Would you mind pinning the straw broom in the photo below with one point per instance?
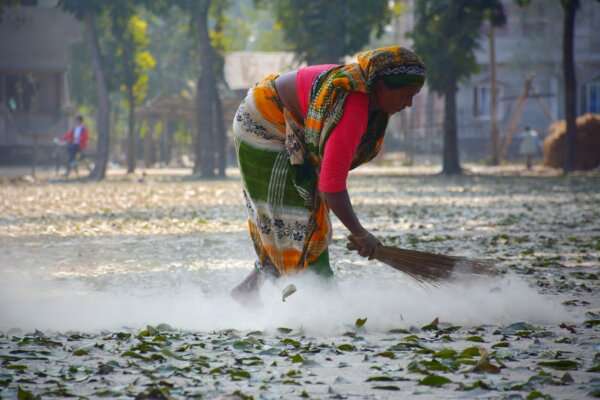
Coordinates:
(427, 267)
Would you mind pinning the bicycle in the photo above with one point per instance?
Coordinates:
(59, 155)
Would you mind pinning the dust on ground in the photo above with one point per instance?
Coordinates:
(120, 289)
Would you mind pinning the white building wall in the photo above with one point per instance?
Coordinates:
(529, 45)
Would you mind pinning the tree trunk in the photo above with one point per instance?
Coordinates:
(162, 143)
(149, 153)
(451, 164)
(103, 112)
(494, 160)
(570, 7)
(221, 135)
(131, 134)
(204, 163)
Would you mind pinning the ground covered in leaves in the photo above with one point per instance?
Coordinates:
(119, 290)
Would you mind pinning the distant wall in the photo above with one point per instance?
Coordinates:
(34, 58)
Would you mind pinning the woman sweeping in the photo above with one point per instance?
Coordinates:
(297, 135)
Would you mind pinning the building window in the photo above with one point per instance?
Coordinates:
(482, 101)
(19, 92)
(592, 96)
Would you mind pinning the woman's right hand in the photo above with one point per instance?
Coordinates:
(365, 243)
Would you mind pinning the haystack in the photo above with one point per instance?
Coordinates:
(587, 143)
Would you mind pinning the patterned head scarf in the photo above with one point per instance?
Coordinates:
(395, 65)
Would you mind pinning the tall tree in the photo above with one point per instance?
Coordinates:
(496, 18)
(176, 65)
(570, 8)
(208, 141)
(324, 31)
(220, 44)
(205, 94)
(89, 11)
(446, 35)
(495, 137)
(133, 61)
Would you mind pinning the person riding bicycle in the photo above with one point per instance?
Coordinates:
(76, 140)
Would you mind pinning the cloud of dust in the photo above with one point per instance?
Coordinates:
(320, 309)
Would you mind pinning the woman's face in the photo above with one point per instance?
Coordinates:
(394, 100)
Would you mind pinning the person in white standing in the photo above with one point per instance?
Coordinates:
(530, 146)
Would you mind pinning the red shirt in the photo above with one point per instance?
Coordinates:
(69, 137)
(345, 137)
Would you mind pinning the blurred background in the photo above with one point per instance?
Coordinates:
(136, 70)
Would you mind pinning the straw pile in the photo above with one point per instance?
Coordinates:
(587, 143)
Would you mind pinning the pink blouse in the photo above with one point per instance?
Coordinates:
(345, 137)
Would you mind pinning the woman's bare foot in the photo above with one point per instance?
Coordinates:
(247, 292)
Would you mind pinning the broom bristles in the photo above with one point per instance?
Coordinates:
(429, 267)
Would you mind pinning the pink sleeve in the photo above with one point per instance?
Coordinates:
(342, 144)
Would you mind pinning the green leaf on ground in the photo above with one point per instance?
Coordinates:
(81, 352)
(478, 384)
(435, 365)
(346, 347)
(360, 322)
(590, 323)
(595, 368)
(238, 374)
(297, 358)
(470, 352)
(242, 396)
(23, 394)
(397, 331)
(380, 378)
(16, 367)
(432, 326)
(445, 353)
(291, 342)
(562, 365)
(387, 354)
(434, 380)
(386, 387)
(538, 395)
(477, 339)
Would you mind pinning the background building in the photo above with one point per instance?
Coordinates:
(528, 77)
(34, 58)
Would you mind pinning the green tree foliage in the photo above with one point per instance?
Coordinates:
(570, 8)
(176, 58)
(132, 63)
(135, 59)
(117, 44)
(81, 69)
(206, 21)
(324, 31)
(90, 12)
(446, 35)
(253, 28)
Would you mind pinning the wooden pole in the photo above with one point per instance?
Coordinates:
(495, 159)
(516, 116)
(34, 155)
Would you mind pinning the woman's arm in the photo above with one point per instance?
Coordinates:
(337, 158)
